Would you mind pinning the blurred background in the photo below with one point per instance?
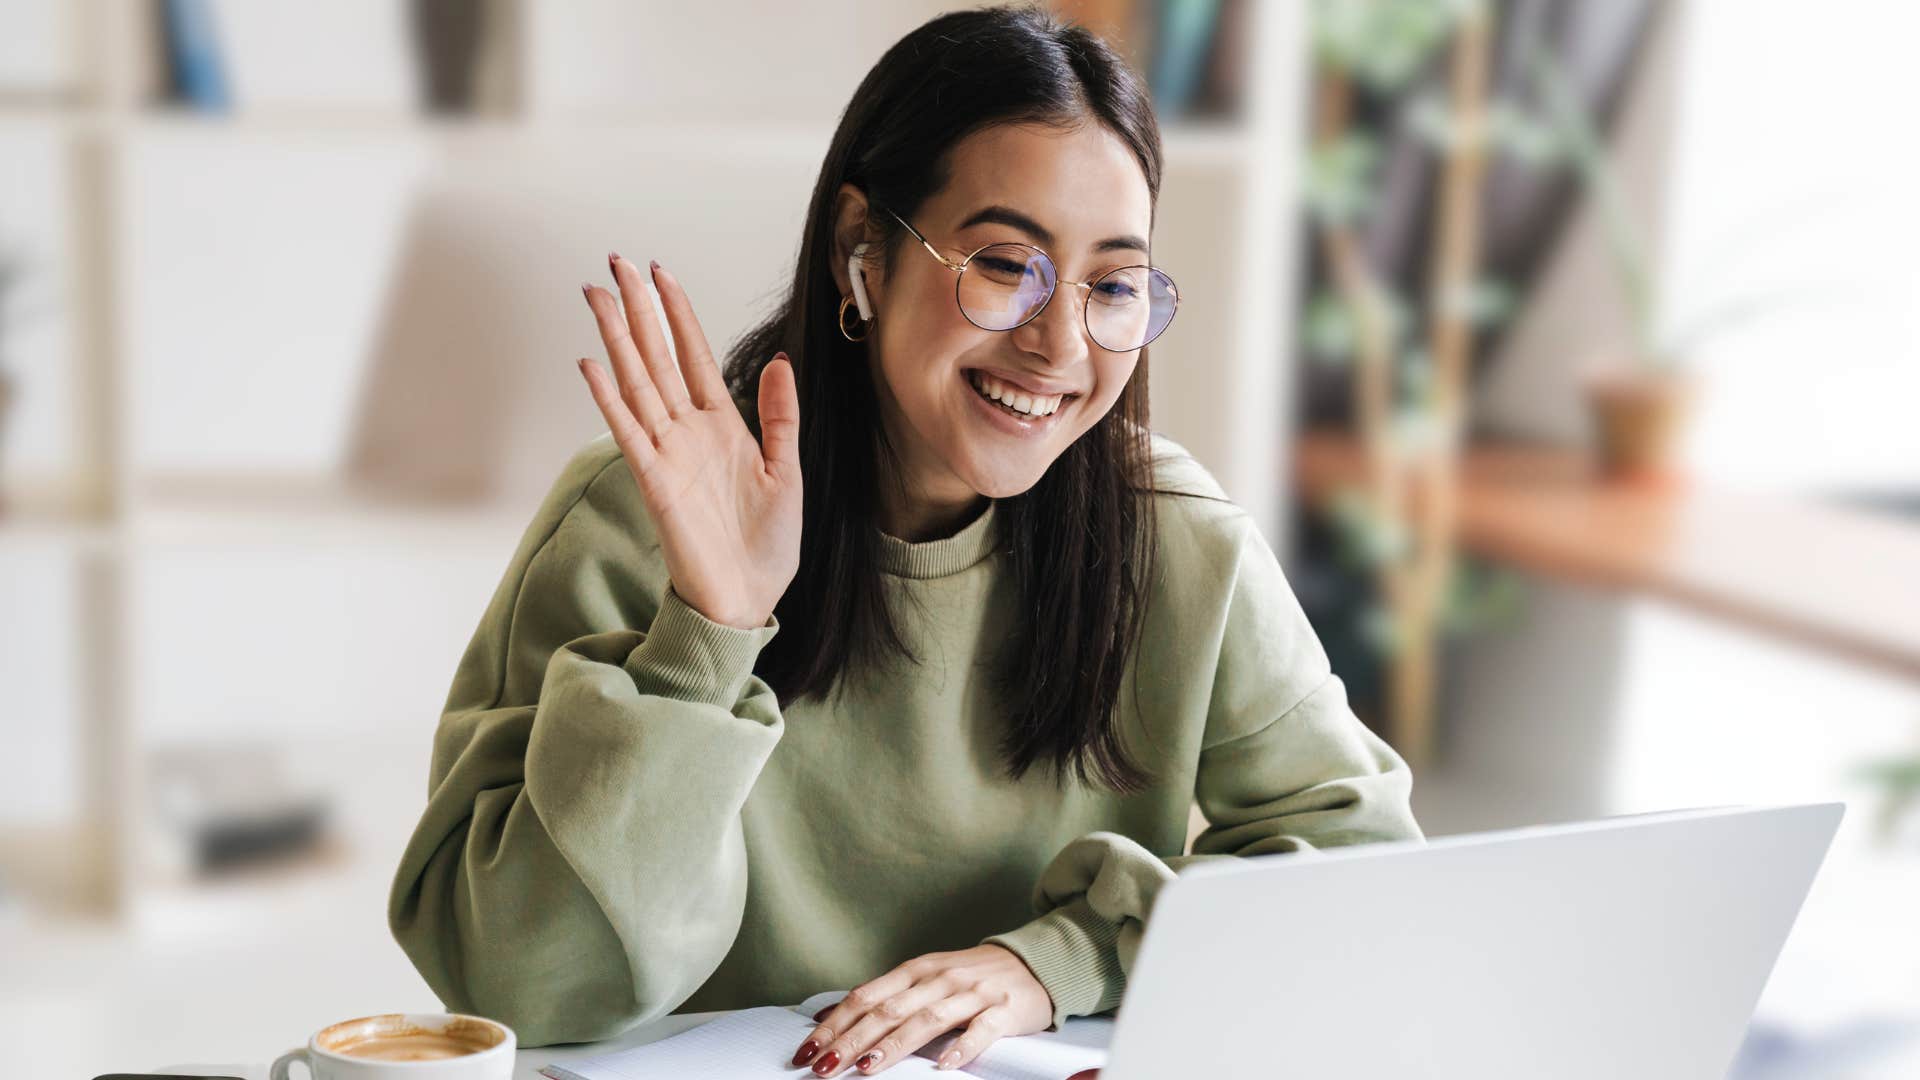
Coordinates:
(1566, 351)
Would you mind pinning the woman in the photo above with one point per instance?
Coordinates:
(929, 724)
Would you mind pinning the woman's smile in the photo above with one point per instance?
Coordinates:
(1013, 411)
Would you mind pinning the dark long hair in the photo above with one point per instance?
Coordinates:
(1081, 540)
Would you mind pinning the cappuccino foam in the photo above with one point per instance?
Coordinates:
(393, 1037)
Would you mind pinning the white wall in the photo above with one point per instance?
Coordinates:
(1794, 175)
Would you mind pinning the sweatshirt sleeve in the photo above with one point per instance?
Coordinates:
(1285, 766)
(580, 865)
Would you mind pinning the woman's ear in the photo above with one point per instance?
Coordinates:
(849, 232)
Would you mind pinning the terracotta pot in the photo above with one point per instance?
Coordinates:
(1637, 419)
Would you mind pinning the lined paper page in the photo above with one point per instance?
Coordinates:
(758, 1044)
(752, 1044)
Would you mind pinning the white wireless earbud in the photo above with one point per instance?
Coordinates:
(859, 284)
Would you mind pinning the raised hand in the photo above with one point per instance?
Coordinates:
(727, 509)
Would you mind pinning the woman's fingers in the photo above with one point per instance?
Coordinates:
(876, 1051)
(987, 1027)
(645, 327)
(627, 433)
(702, 375)
(905, 1022)
(631, 380)
(779, 415)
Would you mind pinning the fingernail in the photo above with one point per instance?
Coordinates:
(613, 257)
(827, 1063)
(822, 1014)
(806, 1052)
(949, 1059)
(586, 289)
(868, 1060)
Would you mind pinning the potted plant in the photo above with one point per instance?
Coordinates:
(1639, 402)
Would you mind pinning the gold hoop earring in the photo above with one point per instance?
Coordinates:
(866, 325)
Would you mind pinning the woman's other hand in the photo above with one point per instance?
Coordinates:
(726, 509)
(988, 990)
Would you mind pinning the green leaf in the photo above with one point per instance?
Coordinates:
(1523, 136)
(1339, 181)
(1480, 596)
(1327, 328)
(1482, 303)
(1330, 327)
(1364, 539)
(1897, 775)
(1383, 44)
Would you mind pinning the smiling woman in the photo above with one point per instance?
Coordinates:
(891, 653)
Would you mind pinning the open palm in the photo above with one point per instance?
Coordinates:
(727, 509)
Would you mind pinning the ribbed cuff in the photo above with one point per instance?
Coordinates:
(689, 657)
(1071, 952)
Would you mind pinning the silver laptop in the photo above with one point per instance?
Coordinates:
(1626, 947)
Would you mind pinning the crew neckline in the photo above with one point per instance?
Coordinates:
(946, 555)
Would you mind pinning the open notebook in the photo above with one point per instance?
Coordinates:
(757, 1043)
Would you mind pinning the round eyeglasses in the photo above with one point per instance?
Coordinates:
(1004, 286)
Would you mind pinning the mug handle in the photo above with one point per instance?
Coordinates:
(286, 1060)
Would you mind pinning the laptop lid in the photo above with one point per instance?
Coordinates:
(1628, 946)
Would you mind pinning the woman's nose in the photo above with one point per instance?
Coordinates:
(1059, 332)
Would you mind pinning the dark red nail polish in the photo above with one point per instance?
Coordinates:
(866, 1059)
(807, 1050)
(826, 1063)
(822, 1014)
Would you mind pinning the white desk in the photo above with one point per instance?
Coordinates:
(526, 1063)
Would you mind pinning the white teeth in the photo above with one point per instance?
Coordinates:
(996, 390)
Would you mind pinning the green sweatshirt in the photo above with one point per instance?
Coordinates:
(623, 823)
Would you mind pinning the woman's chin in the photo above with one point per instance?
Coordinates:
(1003, 480)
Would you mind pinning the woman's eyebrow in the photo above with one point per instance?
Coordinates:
(1007, 215)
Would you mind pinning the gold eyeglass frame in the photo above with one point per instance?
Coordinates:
(1085, 319)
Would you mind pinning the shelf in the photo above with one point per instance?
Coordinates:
(29, 534)
(287, 891)
(1188, 141)
(52, 113)
(309, 514)
(45, 872)
(308, 511)
(318, 120)
(1841, 580)
(51, 514)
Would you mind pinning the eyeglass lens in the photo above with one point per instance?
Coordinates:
(1004, 285)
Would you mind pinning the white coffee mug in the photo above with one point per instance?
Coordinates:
(483, 1048)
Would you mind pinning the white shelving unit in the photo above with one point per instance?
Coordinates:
(221, 316)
